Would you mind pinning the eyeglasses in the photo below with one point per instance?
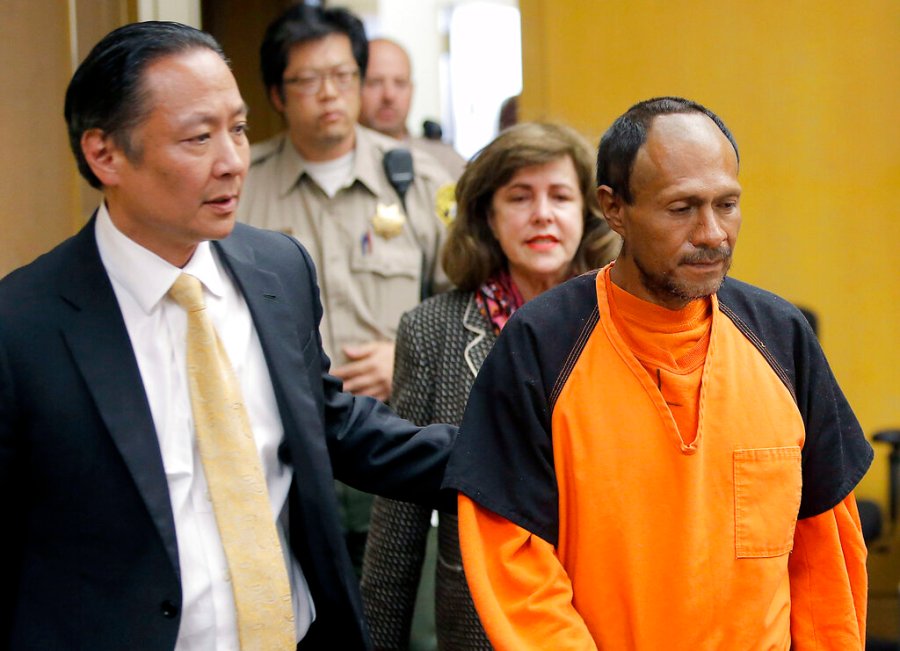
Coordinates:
(311, 84)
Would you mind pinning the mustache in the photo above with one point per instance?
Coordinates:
(705, 256)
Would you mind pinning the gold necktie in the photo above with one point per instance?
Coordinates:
(237, 486)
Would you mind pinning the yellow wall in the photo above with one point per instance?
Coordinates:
(811, 91)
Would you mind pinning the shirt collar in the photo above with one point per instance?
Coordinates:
(142, 273)
(366, 163)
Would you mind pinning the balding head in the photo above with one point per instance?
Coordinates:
(387, 90)
(680, 222)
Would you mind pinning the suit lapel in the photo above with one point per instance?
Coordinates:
(275, 325)
(102, 351)
(481, 336)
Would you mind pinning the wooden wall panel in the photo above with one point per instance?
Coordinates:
(44, 199)
(37, 183)
(239, 25)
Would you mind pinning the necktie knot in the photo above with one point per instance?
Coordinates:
(188, 293)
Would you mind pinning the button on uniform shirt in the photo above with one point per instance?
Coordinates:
(367, 276)
(157, 327)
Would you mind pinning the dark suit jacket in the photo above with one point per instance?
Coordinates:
(93, 560)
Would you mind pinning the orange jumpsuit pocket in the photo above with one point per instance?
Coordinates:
(767, 486)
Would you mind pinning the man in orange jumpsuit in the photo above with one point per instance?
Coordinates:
(655, 456)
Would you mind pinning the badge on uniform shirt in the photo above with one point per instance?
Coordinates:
(388, 221)
(445, 203)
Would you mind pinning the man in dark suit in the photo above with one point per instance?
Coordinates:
(111, 533)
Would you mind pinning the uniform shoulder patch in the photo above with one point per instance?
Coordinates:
(445, 203)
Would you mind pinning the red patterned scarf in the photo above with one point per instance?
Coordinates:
(498, 298)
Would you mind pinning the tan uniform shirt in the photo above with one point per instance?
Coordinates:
(368, 275)
(444, 153)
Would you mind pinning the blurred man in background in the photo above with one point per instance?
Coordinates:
(386, 98)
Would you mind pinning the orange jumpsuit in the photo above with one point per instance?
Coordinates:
(595, 515)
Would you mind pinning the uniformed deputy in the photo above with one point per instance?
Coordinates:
(323, 181)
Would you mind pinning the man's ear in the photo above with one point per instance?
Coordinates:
(613, 208)
(103, 156)
(276, 98)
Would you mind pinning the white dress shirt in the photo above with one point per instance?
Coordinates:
(157, 327)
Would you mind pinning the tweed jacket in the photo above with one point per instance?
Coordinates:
(441, 345)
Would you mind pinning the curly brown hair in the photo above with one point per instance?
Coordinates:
(472, 254)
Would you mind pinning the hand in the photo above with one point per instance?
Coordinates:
(370, 370)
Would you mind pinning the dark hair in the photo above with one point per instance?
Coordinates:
(302, 23)
(107, 91)
(620, 144)
(509, 113)
(472, 254)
